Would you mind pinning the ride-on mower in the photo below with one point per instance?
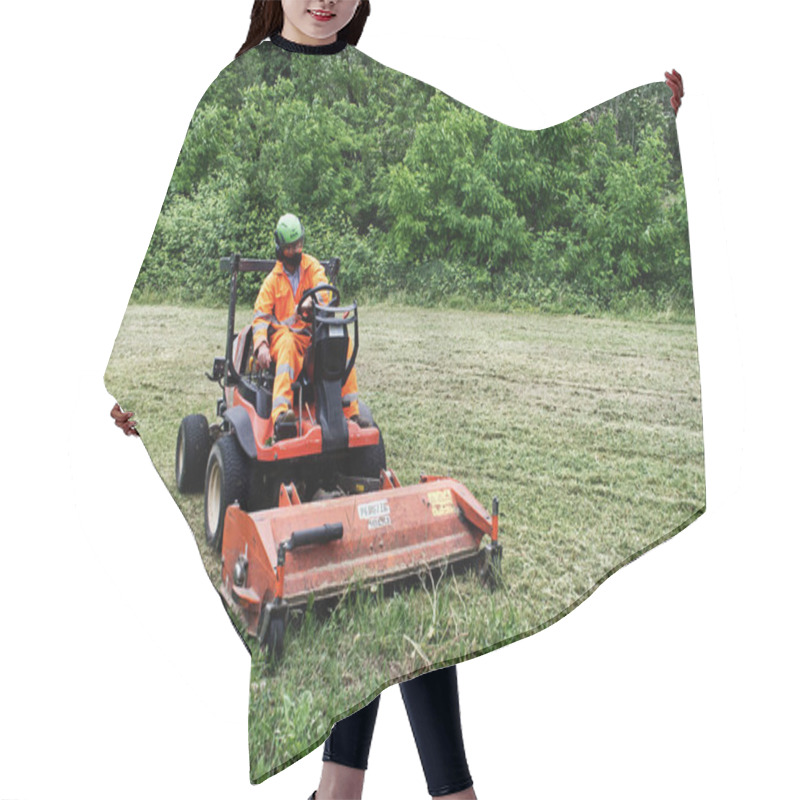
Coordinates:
(309, 514)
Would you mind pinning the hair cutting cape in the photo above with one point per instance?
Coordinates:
(526, 329)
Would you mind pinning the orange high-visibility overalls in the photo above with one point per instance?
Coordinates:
(289, 337)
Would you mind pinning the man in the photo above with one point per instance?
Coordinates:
(280, 335)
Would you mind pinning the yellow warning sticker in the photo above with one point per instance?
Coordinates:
(442, 503)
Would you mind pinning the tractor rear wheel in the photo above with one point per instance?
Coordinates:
(191, 454)
(226, 483)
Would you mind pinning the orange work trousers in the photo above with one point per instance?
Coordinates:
(287, 350)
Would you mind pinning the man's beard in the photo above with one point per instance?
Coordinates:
(293, 261)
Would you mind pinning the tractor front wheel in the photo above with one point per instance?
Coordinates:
(191, 453)
(226, 483)
(367, 462)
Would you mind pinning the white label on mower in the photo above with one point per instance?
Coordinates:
(377, 514)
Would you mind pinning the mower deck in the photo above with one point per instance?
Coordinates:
(287, 555)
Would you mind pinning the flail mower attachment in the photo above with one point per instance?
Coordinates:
(279, 558)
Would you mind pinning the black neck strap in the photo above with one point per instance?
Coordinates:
(309, 49)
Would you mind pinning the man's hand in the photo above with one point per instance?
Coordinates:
(263, 358)
(124, 420)
(306, 304)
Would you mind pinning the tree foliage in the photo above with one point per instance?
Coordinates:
(420, 194)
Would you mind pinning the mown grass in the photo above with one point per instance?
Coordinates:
(588, 430)
(636, 304)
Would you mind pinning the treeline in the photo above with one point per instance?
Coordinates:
(422, 197)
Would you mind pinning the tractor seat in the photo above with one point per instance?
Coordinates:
(256, 385)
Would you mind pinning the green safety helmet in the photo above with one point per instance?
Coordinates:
(288, 231)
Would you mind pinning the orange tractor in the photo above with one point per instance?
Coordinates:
(310, 515)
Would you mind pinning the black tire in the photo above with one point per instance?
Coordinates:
(191, 454)
(490, 571)
(226, 483)
(367, 462)
(276, 632)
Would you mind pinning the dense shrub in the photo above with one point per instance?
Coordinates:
(423, 197)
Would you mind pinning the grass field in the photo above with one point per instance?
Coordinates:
(588, 430)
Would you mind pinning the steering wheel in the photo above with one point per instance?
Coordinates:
(304, 314)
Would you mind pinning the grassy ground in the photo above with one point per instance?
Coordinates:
(589, 431)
